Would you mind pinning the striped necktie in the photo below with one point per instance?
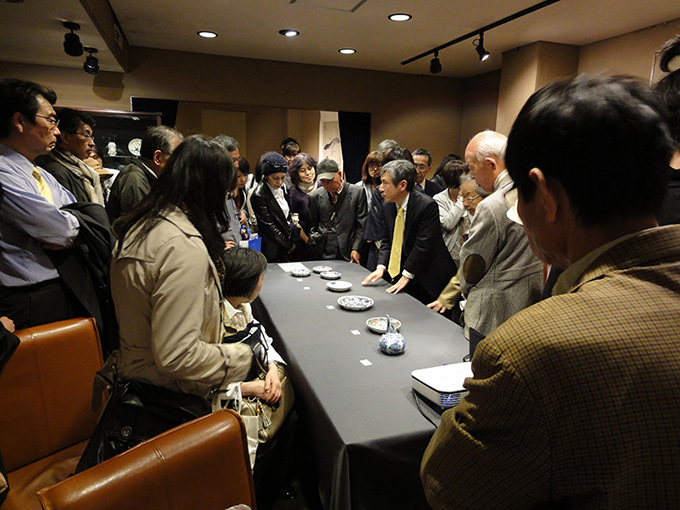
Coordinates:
(397, 241)
(42, 185)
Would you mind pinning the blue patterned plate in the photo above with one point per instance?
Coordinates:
(330, 275)
(339, 286)
(356, 303)
(322, 269)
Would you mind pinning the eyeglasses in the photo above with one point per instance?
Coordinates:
(470, 199)
(421, 167)
(51, 120)
(84, 135)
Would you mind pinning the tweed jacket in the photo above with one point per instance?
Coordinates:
(167, 298)
(343, 222)
(514, 276)
(574, 401)
(423, 253)
(272, 225)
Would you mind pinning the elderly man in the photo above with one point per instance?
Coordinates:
(31, 222)
(66, 162)
(134, 181)
(337, 214)
(412, 254)
(499, 274)
(573, 403)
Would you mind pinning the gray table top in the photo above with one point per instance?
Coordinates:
(365, 393)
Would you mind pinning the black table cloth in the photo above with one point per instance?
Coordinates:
(356, 408)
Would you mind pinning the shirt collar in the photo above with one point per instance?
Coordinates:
(17, 159)
(570, 278)
(276, 192)
(498, 182)
(404, 204)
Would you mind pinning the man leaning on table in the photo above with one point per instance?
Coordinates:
(574, 401)
(413, 256)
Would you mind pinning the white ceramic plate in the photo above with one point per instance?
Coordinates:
(379, 324)
(330, 275)
(299, 273)
(134, 146)
(339, 286)
(356, 303)
(322, 269)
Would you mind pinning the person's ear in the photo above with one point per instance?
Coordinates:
(546, 193)
(403, 185)
(158, 157)
(491, 163)
(17, 121)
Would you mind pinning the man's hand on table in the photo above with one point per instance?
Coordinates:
(374, 276)
(399, 286)
(354, 257)
(437, 307)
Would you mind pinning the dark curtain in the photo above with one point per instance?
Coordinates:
(355, 136)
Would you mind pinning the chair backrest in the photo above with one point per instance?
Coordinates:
(46, 390)
(202, 464)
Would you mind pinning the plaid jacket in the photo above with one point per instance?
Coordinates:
(575, 401)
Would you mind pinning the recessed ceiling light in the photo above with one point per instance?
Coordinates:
(289, 32)
(207, 34)
(347, 51)
(399, 16)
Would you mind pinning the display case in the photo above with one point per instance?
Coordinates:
(118, 134)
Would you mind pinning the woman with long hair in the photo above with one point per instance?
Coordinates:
(164, 277)
(370, 174)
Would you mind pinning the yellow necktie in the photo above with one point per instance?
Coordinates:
(42, 186)
(397, 241)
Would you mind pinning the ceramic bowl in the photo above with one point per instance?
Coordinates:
(355, 303)
(338, 286)
(330, 275)
(379, 324)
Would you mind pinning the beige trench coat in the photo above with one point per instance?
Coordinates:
(167, 298)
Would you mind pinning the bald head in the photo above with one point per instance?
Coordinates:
(485, 156)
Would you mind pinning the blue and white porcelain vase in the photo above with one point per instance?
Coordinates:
(392, 342)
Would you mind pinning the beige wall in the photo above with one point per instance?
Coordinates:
(415, 110)
(631, 54)
(525, 70)
(479, 106)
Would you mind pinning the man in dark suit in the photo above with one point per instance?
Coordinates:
(573, 403)
(412, 254)
(337, 214)
(423, 161)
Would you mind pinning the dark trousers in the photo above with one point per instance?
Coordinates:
(38, 304)
(272, 463)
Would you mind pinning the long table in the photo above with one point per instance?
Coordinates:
(355, 403)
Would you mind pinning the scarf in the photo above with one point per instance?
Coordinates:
(307, 188)
(87, 175)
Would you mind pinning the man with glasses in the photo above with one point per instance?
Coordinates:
(66, 161)
(135, 180)
(423, 161)
(31, 222)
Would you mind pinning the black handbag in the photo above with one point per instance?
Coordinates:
(137, 411)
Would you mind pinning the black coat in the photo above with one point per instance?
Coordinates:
(423, 253)
(273, 227)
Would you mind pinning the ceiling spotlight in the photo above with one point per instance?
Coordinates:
(91, 65)
(72, 44)
(207, 34)
(399, 16)
(289, 32)
(347, 51)
(435, 64)
(479, 47)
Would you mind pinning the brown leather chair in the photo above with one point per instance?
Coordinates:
(201, 465)
(45, 395)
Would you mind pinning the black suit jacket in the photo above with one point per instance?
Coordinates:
(431, 188)
(423, 253)
(272, 226)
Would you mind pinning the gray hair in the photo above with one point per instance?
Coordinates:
(480, 191)
(490, 143)
(401, 170)
(158, 138)
(387, 145)
(228, 142)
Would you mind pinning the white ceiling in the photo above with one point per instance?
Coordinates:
(31, 31)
